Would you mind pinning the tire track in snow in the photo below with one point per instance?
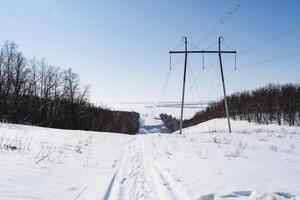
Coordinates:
(114, 188)
(166, 183)
(138, 176)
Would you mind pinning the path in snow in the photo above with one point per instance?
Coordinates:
(138, 176)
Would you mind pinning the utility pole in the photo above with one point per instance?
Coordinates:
(183, 87)
(223, 82)
(186, 52)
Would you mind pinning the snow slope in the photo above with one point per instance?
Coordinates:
(205, 163)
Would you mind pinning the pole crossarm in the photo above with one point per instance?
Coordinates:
(172, 52)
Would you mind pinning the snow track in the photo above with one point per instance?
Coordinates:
(138, 176)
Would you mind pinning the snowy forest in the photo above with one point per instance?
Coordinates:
(36, 93)
(273, 103)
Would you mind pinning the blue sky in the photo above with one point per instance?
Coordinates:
(121, 47)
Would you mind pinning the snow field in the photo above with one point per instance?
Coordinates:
(205, 163)
(56, 164)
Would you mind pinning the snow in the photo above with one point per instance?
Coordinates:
(205, 162)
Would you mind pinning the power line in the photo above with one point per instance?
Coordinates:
(252, 65)
(210, 46)
(227, 46)
(269, 60)
(192, 83)
(196, 79)
(198, 75)
(271, 39)
(221, 21)
(196, 47)
(219, 52)
(257, 63)
(167, 79)
(263, 43)
(165, 86)
(175, 48)
(212, 91)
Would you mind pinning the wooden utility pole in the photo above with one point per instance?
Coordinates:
(183, 87)
(186, 52)
(223, 83)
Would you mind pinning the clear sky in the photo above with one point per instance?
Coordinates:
(121, 47)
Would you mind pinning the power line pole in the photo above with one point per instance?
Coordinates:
(186, 52)
(223, 83)
(183, 87)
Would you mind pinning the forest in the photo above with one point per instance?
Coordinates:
(274, 103)
(36, 93)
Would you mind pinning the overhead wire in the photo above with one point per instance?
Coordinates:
(164, 87)
(192, 84)
(253, 65)
(175, 48)
(196, 47)
(221, 21)
(263, 43)
(192, 92)
(168, 74)
(198, 75)
(269, 60)
(272, 39)
(268, 41)
(214, 79)
(224, 44)
(196, 79)
(210, 46)
(212, 91)
(203, 64)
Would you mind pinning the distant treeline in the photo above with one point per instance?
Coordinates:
(36, 93)
(170, 122)
(273, 103)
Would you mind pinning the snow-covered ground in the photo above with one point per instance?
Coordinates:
(205, 163)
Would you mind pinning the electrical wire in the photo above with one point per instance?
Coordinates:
(269, 60)
(193, 83)
(190, 82)
(167, 80)
(263, 43)
(221, 21)
(196, 79)
(212, 83)
(175, 48)
(271, 39)
(227, 46)
(164, 87)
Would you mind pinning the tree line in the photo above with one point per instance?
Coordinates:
(273, 103)
(37, 93)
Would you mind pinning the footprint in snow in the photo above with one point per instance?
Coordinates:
(238, 194)
(285, 195)
(207, 197)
